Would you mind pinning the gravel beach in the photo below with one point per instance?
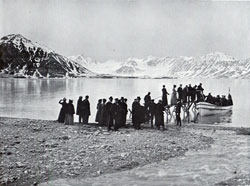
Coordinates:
(34, 151)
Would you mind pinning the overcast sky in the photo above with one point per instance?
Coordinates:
(118, 29)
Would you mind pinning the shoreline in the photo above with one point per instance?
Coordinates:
(34, 151)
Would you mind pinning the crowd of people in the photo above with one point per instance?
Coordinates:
(112, 113)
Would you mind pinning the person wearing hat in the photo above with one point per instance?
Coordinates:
(164, 96)
(86, 110)
(117, 114)
(159, 115)
(103, 116)
(124, 111)
(61, 117)
(70, 111)
(79, 108)
(110, 116)
(139, 114)
(98, 113)
(180, 92)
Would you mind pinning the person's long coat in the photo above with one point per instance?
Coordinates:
(79, 107)
(174, 97)
(61, 117)
(86, 107)
(164, 97)
(159, 115)
(98, 113)
(70, 111)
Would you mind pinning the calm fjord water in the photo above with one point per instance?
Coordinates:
(38, 98)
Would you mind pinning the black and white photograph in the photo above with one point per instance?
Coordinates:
(124, 92)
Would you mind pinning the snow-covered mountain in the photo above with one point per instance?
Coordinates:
(21, 57)
(214, 65)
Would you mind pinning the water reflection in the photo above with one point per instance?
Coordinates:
(39, 98)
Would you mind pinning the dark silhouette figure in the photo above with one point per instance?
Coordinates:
(180, 92)
(98, 113)
(61, 117)
(159, 115)
(79, 108)
(152, 108)
(117, 114)
(164, 96)
(178, 112)
(110, 113)
(70, 111)
(103, 116)
(86, 110)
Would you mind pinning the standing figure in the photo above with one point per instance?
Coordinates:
(133, 111)
(86, 110)
(159, 115)
(174, 96)
(98, 113)
(147, 100)
(185, 94)
(164, 96)
(61, 117)
(103, 115)
(194, 93)
(178, 112)
(152, 107)
(79, 108)
(110, 114)
(230, 99)
(200, 95)
(117, 114)
(139, 114)
(70, 111)
(124, 110)
(180, 92)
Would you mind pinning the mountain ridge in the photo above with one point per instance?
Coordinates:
(20, 57)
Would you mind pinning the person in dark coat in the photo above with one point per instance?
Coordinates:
(164, 96)
(79, 108)
(230, 100)
(133, 111)
(103, 115)
(189, 93)
(178, 112)
(159, 115)
(124, 111)
(117, 114)
(152, 107)
(86, 110)
(70, 111)
(147, 100)
(139, 114)
(61, 117)
(200, 95)
(98, 113)
(185, 94)
(194, 93)
(209, 98)
(110, 114)
(180, 92)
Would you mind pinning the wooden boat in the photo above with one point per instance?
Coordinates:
(206, 109)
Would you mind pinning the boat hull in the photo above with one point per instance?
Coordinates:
(206, 109)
